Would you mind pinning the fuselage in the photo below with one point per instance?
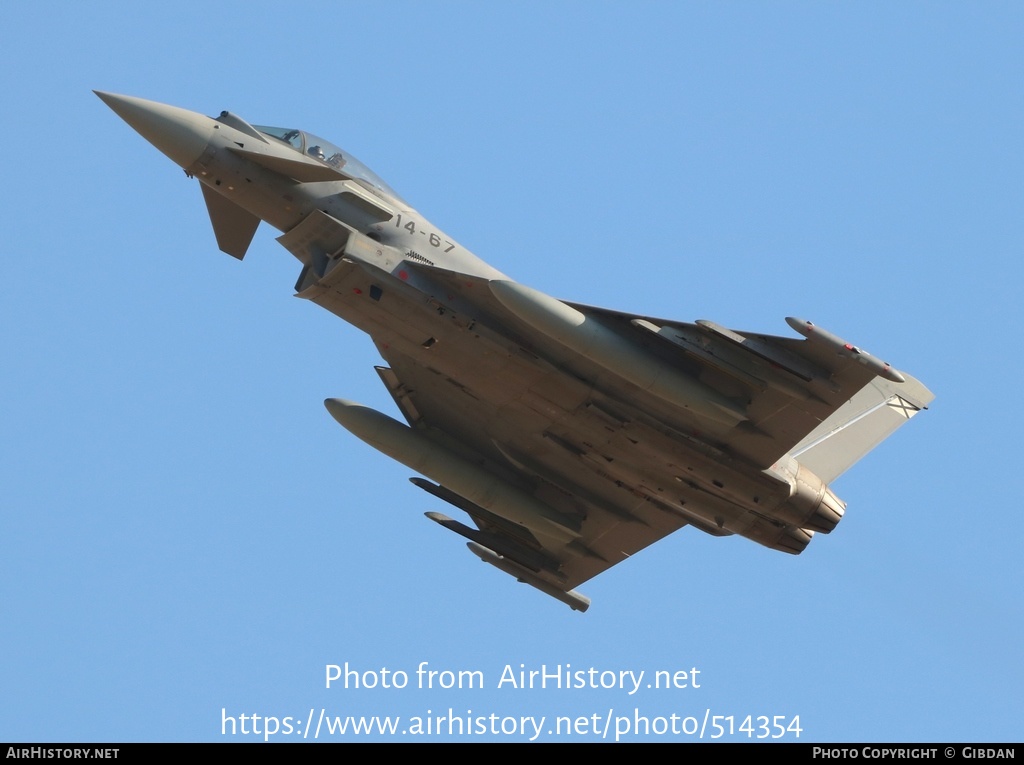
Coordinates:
(294, 181)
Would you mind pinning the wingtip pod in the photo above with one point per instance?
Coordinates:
(817, 334)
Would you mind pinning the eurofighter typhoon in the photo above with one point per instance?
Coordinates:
(571, 436)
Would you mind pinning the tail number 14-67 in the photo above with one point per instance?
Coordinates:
(434, 239)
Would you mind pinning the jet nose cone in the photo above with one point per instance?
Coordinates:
(180, 134)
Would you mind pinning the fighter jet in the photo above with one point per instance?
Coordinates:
(571, 436)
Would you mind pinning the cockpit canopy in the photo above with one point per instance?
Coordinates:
(329, 154)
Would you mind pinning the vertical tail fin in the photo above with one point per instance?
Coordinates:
(861, 424)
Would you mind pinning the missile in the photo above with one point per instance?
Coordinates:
(840, 346)
(571, 598)
(594, 341)
(520, 554)
(419, 453)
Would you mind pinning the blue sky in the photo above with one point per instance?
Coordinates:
(188, 531)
